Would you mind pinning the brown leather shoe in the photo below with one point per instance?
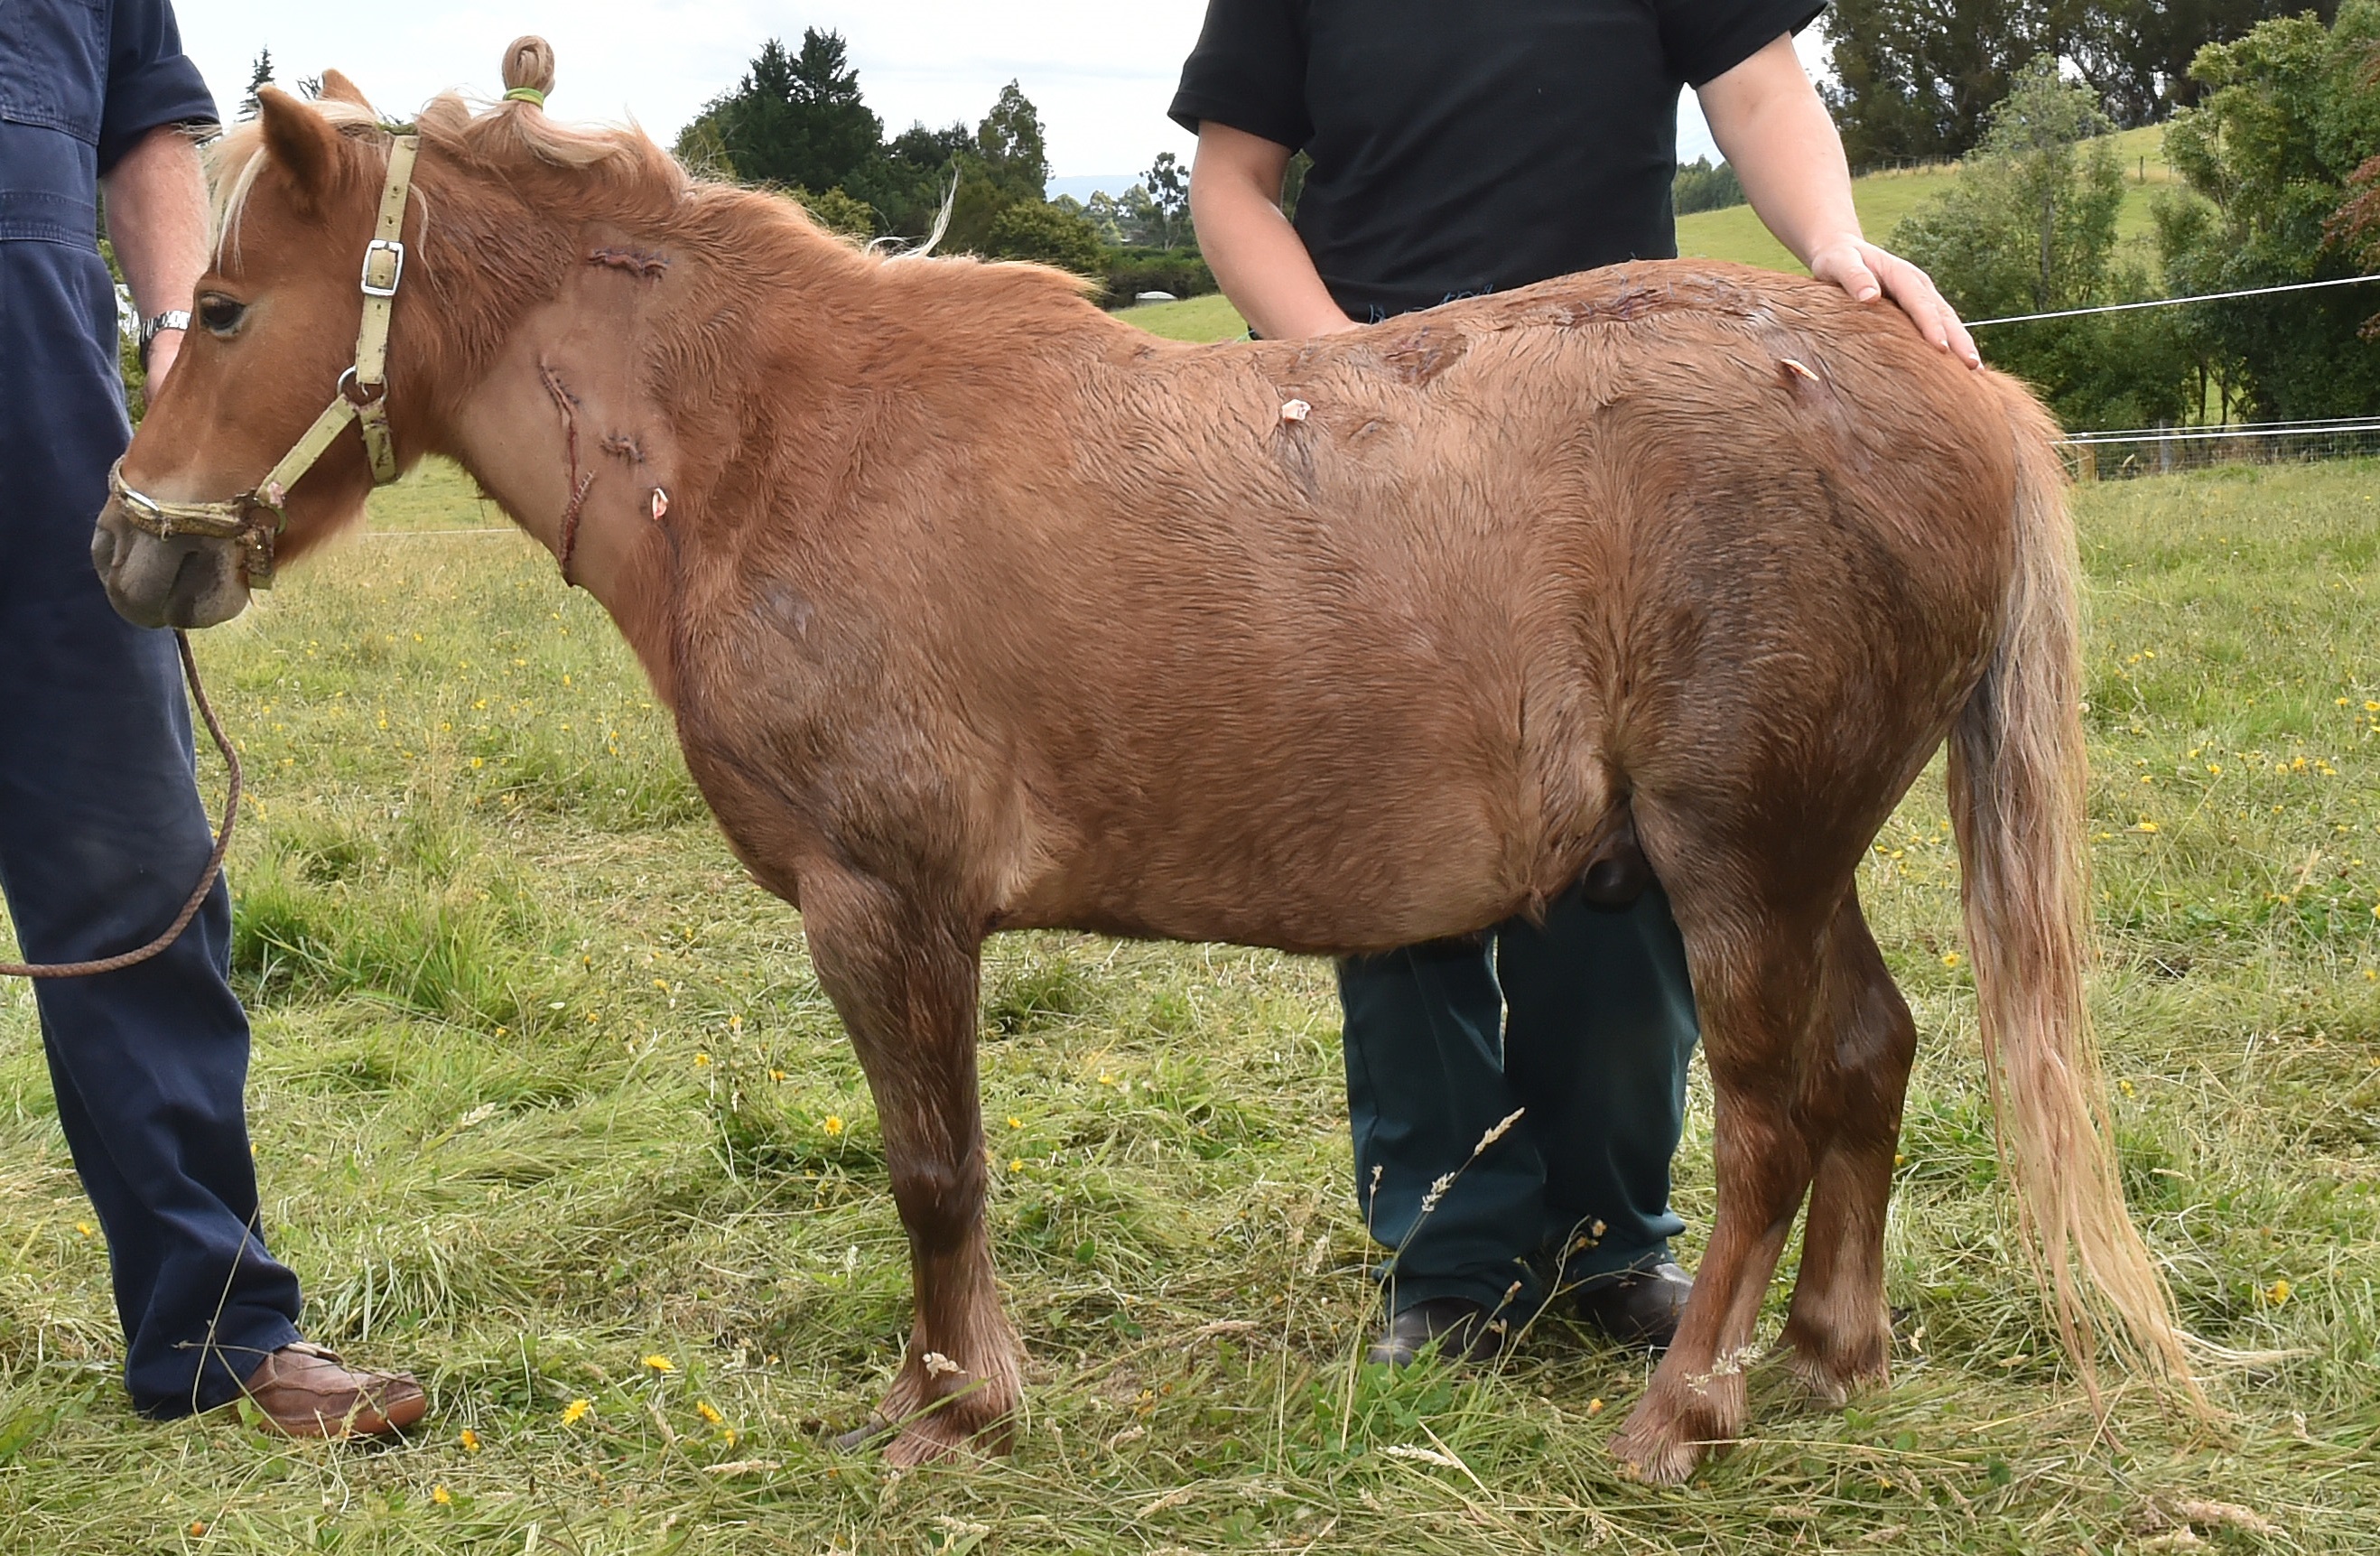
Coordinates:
(305, 1390)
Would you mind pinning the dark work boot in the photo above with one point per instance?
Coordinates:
(1639, 1307)
(1458, 1326)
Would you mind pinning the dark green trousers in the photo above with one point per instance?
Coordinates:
(1587, 1022)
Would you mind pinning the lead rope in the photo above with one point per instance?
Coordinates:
(206, 881)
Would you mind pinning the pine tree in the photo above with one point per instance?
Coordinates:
(260, 77)
(796, 119)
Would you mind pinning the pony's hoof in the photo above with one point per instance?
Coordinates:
(934, 1439)
(1830, 1374)
(1657, 1454)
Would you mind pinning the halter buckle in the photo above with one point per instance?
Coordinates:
(384, 267)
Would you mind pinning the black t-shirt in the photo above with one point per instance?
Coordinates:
(1464, 147)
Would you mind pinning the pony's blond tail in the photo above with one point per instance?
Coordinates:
(2017, 796)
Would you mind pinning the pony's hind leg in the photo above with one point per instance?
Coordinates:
(904, 983)
(1757, 988)
(1839, 1332)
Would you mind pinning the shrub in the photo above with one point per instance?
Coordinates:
(1130, 272)
(1037, 230)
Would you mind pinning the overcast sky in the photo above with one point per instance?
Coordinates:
(1100, 73)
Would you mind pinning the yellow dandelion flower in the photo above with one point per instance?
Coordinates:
(702, 1058)
(2146, 825)
(576, 1411)
(85, 1228)
(2278, 1292)
(734, 1023)
(2216, 768)
(1949, 958)
(710, 1412)
(662, 984)
(661, 1364)
(1017, 1164)
(441, 1496)
(198, 1528)
(776, 1074)
(2372, 707)
(1595, 1407)
(728, 1435)
(833, 1125)
(2125, 1087)
(471, 1441)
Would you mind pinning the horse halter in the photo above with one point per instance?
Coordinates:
(257, 515)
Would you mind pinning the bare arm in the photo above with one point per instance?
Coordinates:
(1774, 132)
(1258, 256)
(157, 219)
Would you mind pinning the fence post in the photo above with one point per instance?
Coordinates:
(2086, 461)
(2165, 451)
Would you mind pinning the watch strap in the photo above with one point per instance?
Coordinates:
(157, 325)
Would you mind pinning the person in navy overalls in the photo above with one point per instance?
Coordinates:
(102, 830)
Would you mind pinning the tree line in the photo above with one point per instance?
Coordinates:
(2278, 155)
(797, 121)
(1917, 79)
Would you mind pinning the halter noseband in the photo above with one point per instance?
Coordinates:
(257, 515)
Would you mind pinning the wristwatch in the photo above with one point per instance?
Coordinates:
(157, 325)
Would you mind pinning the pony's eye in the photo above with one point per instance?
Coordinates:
(219, 314)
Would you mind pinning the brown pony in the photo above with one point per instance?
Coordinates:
(977, 609)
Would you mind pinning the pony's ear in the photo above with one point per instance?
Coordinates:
(301, 140)
(337, 88)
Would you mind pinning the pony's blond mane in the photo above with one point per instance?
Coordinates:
(504, 134)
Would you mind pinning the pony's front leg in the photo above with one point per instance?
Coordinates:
(902, 976)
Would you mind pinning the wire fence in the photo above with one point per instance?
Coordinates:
(2151, 451)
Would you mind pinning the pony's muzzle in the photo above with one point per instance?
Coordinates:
(180, 580)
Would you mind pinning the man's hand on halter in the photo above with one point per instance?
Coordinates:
(1774, 131)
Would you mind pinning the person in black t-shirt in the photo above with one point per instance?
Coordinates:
(1459, 150)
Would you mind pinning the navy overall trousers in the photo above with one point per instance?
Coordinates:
(101, 832)
(1585, 1025)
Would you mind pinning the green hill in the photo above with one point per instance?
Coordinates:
(1883, 199)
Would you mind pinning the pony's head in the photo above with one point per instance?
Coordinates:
(195, 515)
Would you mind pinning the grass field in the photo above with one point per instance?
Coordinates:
(549, 1106)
